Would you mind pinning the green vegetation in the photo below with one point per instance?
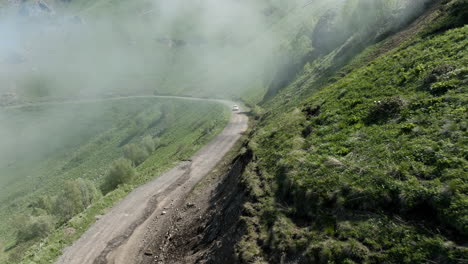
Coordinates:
(372, 166)
(55, 185)
(76, 196)
(454, 15)
(135, 153)
(121, 172)
(36, 227)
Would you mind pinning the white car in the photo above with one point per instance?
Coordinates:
(235, 108)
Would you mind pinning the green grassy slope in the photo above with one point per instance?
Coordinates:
(83, 140)
(371, 168)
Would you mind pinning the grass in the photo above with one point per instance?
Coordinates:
(371, 167)
(95, 136)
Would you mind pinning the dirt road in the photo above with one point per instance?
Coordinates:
(118, 236)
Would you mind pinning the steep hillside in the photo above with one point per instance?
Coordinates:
(83, 141)
(372, 166)
(359, 156)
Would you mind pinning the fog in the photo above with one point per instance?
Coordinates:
(197, 48)
(72, 50)
(159, 45)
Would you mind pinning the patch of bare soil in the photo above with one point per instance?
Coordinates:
(205, 227)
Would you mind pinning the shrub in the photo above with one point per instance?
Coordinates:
(149, 144)
(437, 72)
(44, 202)
(68, 203)
(76, 196)
(157, 142)
(441, 88)
(135, 154)
(89, 192)
(441, 79)
(257, 112)
(311, 111)
(407, 128)
(385, 109)
(37, 227)
(121, 172)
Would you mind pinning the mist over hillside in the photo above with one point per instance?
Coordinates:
(200, 48)
(149, 46)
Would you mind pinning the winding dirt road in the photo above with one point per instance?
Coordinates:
(118, 236)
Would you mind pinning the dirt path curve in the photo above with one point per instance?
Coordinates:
(117, 236)
(117, 98)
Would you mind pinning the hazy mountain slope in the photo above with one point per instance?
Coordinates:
(166, 47)
(372, 167)
(203, 48)
(82, 141)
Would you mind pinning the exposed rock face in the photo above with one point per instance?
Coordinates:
(206, 227)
